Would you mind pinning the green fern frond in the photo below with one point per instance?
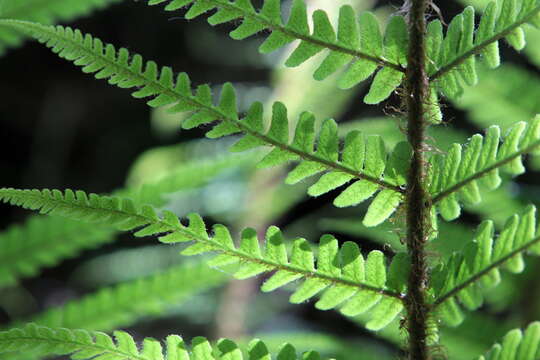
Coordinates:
(82, 344)
(517, 345)
(358, 42)
(457, 175)
(45, 12)
(452, 58)
(123, 304)
(363, 158)
(361, 284)
(43, 242)
(477, 266)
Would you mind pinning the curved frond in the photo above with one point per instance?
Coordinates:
(477, 266)
(456, 176)
(121, 305)
(517, 345)
(82, 344)
(45, 12)
(358, 42)
(344, 273)
(453, 56)
(43, 242)
(363, 159)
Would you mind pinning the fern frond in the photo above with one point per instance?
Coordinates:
(358, 42)
(45, 12)
(123, 304)
(453, 58)
(363, 158)
(82, 344)
(477, 266)
(54, 239)
(517, 345)
(43, 242)
(457, 175)
(343, 272)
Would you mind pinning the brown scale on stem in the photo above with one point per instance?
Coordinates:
(417, 199)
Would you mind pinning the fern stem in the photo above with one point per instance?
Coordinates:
(417, 95)
(478, 48)
(473, 279)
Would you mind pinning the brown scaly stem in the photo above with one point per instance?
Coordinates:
(417, 95)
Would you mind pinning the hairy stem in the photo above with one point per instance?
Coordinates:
(417, 95)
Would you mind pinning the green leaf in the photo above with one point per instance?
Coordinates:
(82, 344)
(477, 267)
(456, 178)
(384, 205)
(385, 83)
(502, 19)
(332, 269)
(350, 43)
(162, 88)
(517, 345)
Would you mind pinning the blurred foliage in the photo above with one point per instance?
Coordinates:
(178, 173)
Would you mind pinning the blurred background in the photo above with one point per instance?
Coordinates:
(61, 129)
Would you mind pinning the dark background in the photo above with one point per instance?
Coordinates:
(61, 128)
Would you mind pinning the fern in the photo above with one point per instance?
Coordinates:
(82, 344)
(477, 266)
(45, 12)
(362, 159)
(457, 175)
(517, 345)
(51, 240)
(54, 239)
(347, 276)
(452, 59)
(124, 304)
(359, 42)
(410, 177)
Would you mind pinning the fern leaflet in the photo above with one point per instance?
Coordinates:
(82, 344)
(457, 175)
(517, 345)
(45, 12)
(123, 304)
(477, 266)
(363, 158)
(343, 272)
(50, 239)
(452, 58)
(358, 41)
